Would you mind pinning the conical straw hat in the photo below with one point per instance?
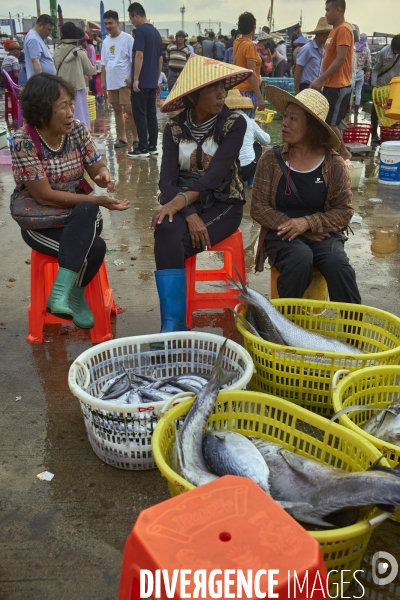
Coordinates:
(322, 26)
(235, 99)
(199, 72)
(312, 101)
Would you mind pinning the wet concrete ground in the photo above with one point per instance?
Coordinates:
(64, 539)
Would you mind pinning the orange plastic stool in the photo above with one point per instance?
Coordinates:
(98, 294)
(230, 523)
(233, 257)
(317, 290)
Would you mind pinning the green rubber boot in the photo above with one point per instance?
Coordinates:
(57, 302)
(82, 315)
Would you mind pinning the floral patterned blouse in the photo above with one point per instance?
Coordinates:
(60, 167)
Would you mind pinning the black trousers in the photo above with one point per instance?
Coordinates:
(92, 85)
(249, 170)
(172, 241)
(295, 260)
(374, 121)
(145, 115)
(77, 245)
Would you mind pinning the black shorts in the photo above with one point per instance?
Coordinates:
(339, 102)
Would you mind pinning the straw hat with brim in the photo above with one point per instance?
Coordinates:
(235, 99)
(310, 100)
(199, 72)
(322, 27)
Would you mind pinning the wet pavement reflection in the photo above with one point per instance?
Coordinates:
(65, 538)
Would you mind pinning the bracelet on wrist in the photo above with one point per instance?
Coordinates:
(185, 196)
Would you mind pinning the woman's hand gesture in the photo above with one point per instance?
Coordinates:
(168, 210)
(292, 228)
(198, 232)
(113, 203)
(103, 179)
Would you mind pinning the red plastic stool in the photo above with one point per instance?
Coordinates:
(11, 107)
(230, 523)
(233, 257)
(98, 294)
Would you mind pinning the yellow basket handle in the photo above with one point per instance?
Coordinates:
(336, 377)
(86, 371)
(181, 397)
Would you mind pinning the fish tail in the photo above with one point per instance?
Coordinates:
(218, 371)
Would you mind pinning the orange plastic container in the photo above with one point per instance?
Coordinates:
(393, 102)
(98, 294)
(230, 523)
(232, 247)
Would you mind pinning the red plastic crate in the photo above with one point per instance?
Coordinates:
(357, 133)
(390, 134)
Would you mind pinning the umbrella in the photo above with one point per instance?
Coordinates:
(103, 27)
(53, 13)
(60, 17)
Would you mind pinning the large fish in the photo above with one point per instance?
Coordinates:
(189, 439)
(385, 425)
(227, 452)
(326, 489)
(273, 326)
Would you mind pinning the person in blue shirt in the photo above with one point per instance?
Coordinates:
(309, 58)
(37, 56)
(146, 70)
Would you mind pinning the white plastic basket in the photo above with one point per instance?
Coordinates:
(121, 435)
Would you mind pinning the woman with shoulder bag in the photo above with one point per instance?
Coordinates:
(73, 65)
(201, 187)
(50, 155)
(302, 200)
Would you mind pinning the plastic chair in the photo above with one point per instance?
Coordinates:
(233, 257)
(230, 523)
(13, 87)
(98, 294)
(317, 290)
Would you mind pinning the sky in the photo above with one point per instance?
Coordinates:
(364, 13)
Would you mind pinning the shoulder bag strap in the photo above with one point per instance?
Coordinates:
(36, 140)
(68, 53)
(390, 68)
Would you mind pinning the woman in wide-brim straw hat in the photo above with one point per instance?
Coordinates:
(302, 200)
(309, 58)
(201, 188)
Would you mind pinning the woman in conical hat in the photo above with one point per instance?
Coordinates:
(201, 188)
(302, 200)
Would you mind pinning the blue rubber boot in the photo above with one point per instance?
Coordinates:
(171, 287)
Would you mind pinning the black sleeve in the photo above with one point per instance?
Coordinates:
(169, 173)
(223, 159)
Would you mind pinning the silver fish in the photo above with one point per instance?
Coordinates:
(189, 440)
(327, 489)
(385, 425)
(289, 332)
(116, 387)
(229, 453)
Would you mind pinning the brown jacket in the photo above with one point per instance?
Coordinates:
(338, 207)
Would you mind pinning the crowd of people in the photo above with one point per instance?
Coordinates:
(211, 146)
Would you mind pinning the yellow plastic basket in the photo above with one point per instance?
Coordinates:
(265, 116)
(376, 386)
(282, 422)
(295, 373)
(380, 96)
(91, 100)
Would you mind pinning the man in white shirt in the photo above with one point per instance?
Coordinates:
(37, 56)
(116, 65)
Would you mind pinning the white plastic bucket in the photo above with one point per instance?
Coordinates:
(389, 166)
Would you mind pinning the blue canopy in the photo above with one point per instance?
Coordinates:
(103, 28)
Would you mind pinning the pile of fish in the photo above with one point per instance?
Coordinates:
(141, 389)
(385, 425)
(265, 321)
(310, 491)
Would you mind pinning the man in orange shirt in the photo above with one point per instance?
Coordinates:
(336, 77)
(245, 55)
